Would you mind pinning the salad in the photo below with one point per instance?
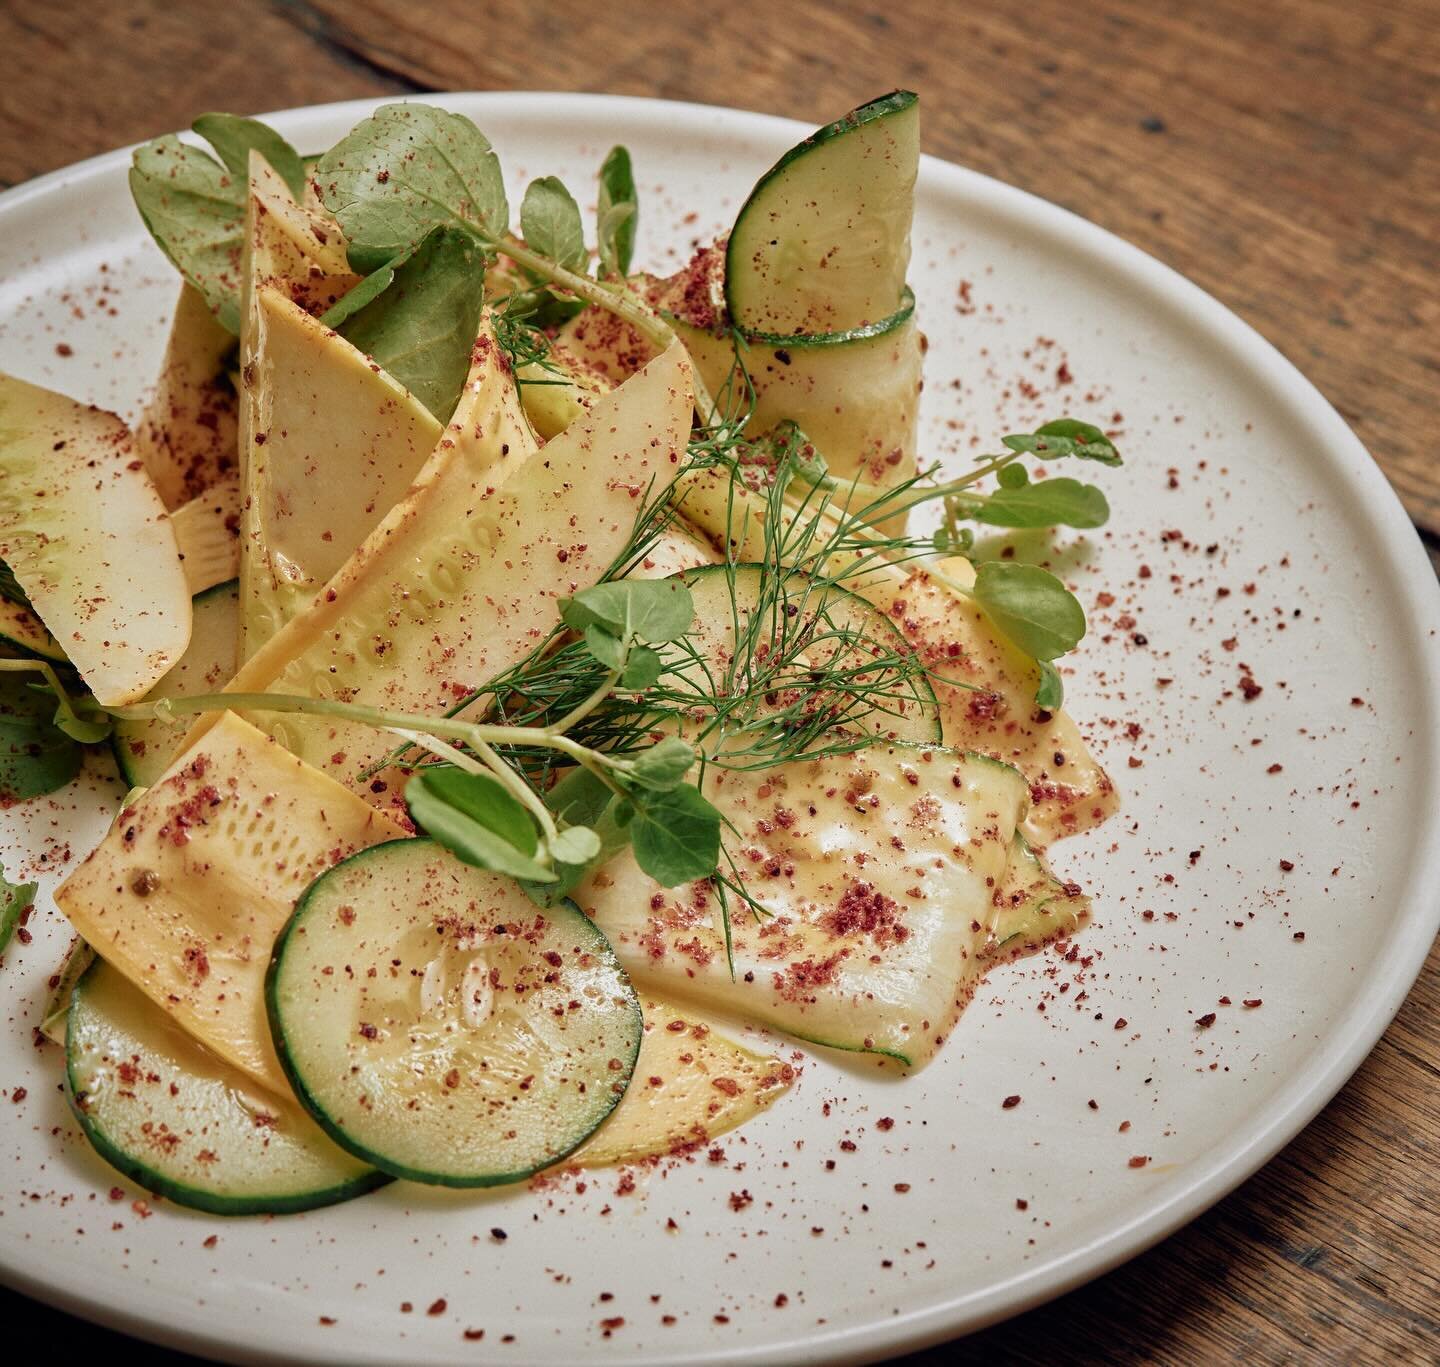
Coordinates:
(523, 671)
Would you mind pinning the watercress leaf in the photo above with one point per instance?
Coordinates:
(663, 766)
(624, 811)
(366, 292)
(580, 799)
(483, 799)
(405, 170)
(421, 328)
(1087, 441)
(194, 209)
(1051, 693)
(36, 757)
(606, 647)
(476, 820)
(660, 610)
(1031, 607)
(14, 899)
(617, 213)
(234, 138)
(575, 845)
(550, 223)
(642, 668)
(1050, 503)
(676, 836)
(1013, 476)
(651, 610)
(954, 541)
(602, 605)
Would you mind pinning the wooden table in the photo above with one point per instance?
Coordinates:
(1284, 155)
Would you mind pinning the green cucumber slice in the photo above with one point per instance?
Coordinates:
(824, 625)
(1035, 906)
(800, 341)
(181, 1123)
(20, 628)
(78, 958)
(823, 242)
(440, 1026)
(144, 749)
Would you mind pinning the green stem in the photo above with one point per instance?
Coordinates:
(493, 766)
(584, 709)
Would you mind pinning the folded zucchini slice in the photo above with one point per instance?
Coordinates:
(86, 537)
(144, 749)
(857, 397)
(986, 691)
(1036, 907)
(188, 890)
(186, 1126)
(438, 1024)
(23, 633)
(186, 433)
(872, 878)
(692, 1083)
(461, 579)
(331, 444)
(207, 533)
(823, 242)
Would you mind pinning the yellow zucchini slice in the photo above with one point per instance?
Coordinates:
(857, 400)
(86, 537)
(186, 433)
(144, 749)
(207, 533)
(185, 1125)
(986, 689)
(876, 872)
(1035, 906)
(290, 248)
(332, 442)
(691, 1084)
(461, 578)
(555, 395)
(188, 891)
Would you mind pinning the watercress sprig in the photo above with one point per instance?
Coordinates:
(194, 206)
(410, 168)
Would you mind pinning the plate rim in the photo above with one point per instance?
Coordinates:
(1339, 1052)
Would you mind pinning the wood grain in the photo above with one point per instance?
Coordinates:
(1284, 155)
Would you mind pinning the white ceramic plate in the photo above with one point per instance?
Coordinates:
(1240, 477)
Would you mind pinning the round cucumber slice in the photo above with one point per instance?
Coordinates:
(183, 1124)
(823, 242)
(842, 629)
(441, 1026)
(144, 749)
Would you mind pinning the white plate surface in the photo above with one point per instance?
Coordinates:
(1240, 478)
